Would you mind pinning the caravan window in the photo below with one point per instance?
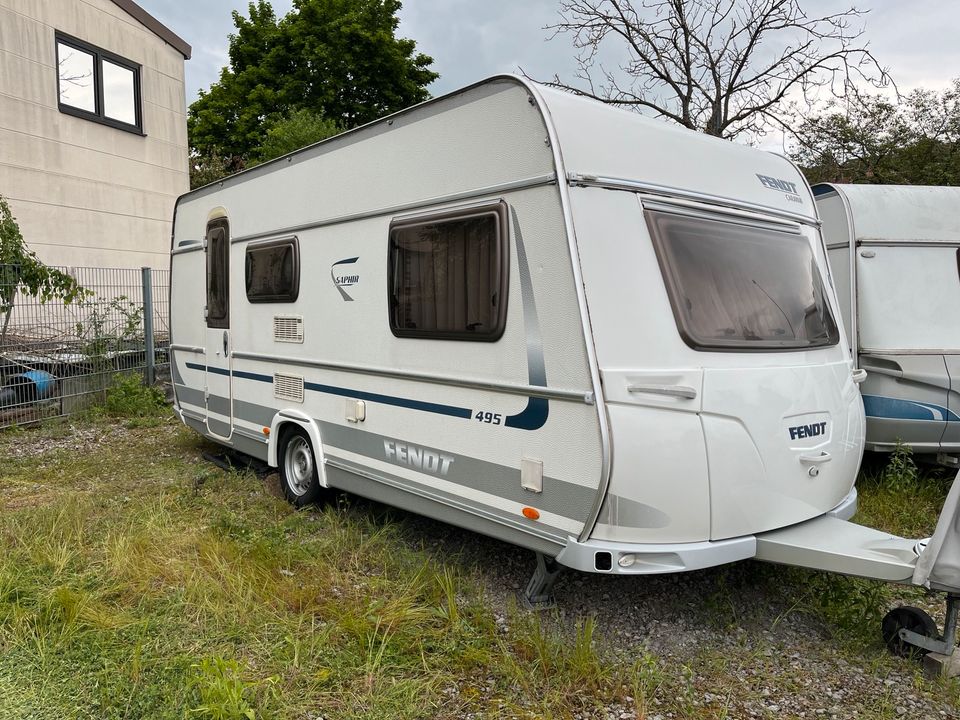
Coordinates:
(218, 274)
(738, 286)
(448, 275)
(272, 271)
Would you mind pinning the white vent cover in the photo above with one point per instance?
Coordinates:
(288, 328)
(288, 387)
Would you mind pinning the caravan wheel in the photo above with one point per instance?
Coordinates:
(298, 468)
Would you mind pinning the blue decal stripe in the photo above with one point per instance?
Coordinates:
(391, 400)
(894, 408)
(450, 410)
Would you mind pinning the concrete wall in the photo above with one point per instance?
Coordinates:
(86, 194)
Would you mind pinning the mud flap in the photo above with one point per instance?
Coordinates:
(828, 543)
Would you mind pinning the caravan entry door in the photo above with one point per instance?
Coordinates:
(219, 396)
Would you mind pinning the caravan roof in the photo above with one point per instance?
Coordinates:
(899, 213)
(594, 148)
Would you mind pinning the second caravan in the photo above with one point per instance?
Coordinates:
(895, 254)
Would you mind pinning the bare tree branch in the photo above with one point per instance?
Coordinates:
(723, 67)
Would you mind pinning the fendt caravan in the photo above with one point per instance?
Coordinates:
(895, 254)
(603, 338)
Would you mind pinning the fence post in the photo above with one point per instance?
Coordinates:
(148, 350)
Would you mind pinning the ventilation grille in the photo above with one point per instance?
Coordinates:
(288, 328)
(288, 387)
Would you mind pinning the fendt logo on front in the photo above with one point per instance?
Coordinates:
(778, 184)
(805, 431)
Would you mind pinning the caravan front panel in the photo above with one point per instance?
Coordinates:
(732, 403)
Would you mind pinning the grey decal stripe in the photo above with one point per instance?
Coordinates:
(251, 412)
(548, 531)
(534, 415)
(219, 405)
(189, 395)
(559, 496)
(219, 428)
(624, 512)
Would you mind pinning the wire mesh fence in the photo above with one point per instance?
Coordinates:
(58, 358)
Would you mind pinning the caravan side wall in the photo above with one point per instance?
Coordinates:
(903, 263)
(448, 423)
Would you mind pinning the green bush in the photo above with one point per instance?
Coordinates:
(901, 471)
(129, 397)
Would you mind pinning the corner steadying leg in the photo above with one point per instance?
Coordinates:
(942, 661)
(539, 592)
(950, 624)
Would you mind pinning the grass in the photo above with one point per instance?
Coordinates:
(138, 581)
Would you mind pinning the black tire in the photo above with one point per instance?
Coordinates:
(298, 468)
(910, 618)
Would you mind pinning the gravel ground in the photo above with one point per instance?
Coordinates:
(725, 639)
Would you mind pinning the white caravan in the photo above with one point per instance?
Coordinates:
(895, 254)
(604, 338)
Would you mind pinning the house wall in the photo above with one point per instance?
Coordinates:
(84, 193)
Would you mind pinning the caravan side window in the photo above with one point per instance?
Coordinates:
(448, 275)
(272, 271)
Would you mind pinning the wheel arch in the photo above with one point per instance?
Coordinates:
(282, 422)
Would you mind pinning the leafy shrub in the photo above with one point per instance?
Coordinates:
(129, 397)
(901, 471)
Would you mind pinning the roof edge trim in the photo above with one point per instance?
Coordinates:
(155, 26)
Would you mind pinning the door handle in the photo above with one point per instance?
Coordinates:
(820, 459)
(679, 391)
(224, 343)
(859, 375)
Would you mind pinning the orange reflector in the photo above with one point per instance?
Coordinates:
(531, 513)
(266, 431)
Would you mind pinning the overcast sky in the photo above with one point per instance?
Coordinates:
(470, 40)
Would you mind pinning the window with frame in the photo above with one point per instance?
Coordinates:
(448, 275)
(272, 271)
(218, 274)
(97, 85)
(740, 286)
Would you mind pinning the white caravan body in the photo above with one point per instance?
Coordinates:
(604, 338)
(895, 255)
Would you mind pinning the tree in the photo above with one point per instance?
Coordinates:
(870, 139)
(298, 129)
(339, 59)
(21, 271)
(723, 67)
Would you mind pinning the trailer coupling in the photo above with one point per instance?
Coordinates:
(835, 545)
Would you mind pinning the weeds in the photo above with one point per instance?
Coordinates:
(901, 471)
(130, 398)
(219, 691)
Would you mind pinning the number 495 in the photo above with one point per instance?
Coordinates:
(489, 417)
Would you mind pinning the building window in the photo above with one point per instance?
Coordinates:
(97, 85)
(448, 275)
(272, 271)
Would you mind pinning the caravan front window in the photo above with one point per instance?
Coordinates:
(740, 286)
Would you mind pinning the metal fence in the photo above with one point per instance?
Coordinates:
(57, 358)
